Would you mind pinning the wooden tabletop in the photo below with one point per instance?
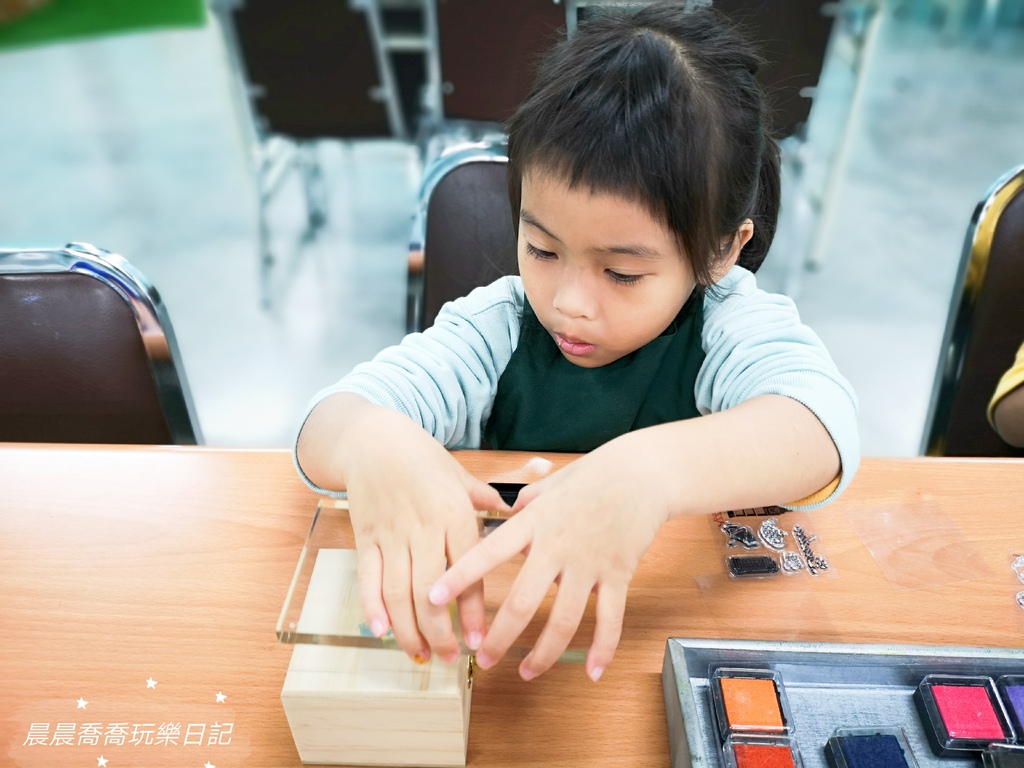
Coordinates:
(141, 587)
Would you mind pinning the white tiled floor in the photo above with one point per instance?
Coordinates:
(133, 143)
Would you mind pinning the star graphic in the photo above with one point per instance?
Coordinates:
(81, 703)
(220, 697)
(101, 761)
(150, 682)
(209, 765)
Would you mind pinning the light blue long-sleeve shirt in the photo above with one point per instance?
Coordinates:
(445, 379)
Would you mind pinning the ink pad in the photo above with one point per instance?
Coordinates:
(509, 492)
(1011, 691)
(882, 747)
(761, 752)
(962, 714)
(750, 701)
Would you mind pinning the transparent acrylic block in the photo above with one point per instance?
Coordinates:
(322, 606)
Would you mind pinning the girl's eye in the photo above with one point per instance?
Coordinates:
(622, 279)
(534, 251)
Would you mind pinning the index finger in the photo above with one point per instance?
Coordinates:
(511, 538)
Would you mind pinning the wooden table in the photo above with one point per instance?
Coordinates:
(121, 566)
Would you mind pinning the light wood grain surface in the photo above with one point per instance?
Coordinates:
(122, 565)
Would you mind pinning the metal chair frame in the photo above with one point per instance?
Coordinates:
(967, 287)
(273, 155)
(151, 315)
(575, 8)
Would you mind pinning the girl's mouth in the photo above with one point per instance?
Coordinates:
(574, 347)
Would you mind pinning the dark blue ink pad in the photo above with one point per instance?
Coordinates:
(882, 747)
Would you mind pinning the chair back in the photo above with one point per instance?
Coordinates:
(87, 353)
(985, 327)
(315, 68)
(793, 38)
(463, 235)
(489, 54)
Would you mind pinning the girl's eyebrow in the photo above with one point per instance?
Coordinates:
(640, 251)
(533, 221)
(626, 249)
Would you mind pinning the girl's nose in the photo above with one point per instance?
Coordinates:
(573, 296)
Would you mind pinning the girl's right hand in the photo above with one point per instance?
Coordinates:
(412, 507)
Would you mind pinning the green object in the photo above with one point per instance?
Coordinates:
(546, 403)
(62, 20)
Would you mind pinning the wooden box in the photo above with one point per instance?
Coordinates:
(368, 705)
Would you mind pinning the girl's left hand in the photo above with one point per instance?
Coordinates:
(584, 527)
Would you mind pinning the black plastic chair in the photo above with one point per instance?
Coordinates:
(985, 327)
(489, 52)
(87, 353)
(463, 235)
(793, 37)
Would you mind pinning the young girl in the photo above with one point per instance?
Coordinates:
(645, 187)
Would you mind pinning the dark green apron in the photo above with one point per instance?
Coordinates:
(546, 403)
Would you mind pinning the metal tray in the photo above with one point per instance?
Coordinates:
(829, 685)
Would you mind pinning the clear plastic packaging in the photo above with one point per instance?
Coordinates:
(918, 546)
(764, 546)
(1003, 756)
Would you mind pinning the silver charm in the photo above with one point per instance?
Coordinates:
(1020, 598)
(772, 536)
(740, 536)
(815, 563)
(791, 562)
(1018, 567)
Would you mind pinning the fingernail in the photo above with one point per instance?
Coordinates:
(378, 628)
(526, 673)
(438, 595)
(595, 673)
(484, 661)
(473, 640)
(422, 657)
(451, 658)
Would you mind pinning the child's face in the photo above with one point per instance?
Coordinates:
(603, 276)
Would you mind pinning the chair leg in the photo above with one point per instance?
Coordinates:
(414, 296)
(276, 157)
(266, 259)
(314, 189)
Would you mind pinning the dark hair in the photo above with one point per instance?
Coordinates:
(660, 106)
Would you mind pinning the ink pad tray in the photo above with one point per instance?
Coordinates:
(827, 686)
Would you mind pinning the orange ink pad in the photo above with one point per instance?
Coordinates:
(749, 701)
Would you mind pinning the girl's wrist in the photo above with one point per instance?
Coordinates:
(633, 466)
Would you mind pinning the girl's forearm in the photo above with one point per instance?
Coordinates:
(328, 434)
(768, 450)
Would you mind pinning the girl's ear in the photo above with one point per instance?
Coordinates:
(731, 249)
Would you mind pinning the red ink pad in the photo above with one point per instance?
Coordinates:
(761, 752)
(962, 714)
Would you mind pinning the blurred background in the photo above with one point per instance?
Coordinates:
(260, 161)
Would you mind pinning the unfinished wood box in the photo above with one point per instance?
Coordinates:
(369, 706)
